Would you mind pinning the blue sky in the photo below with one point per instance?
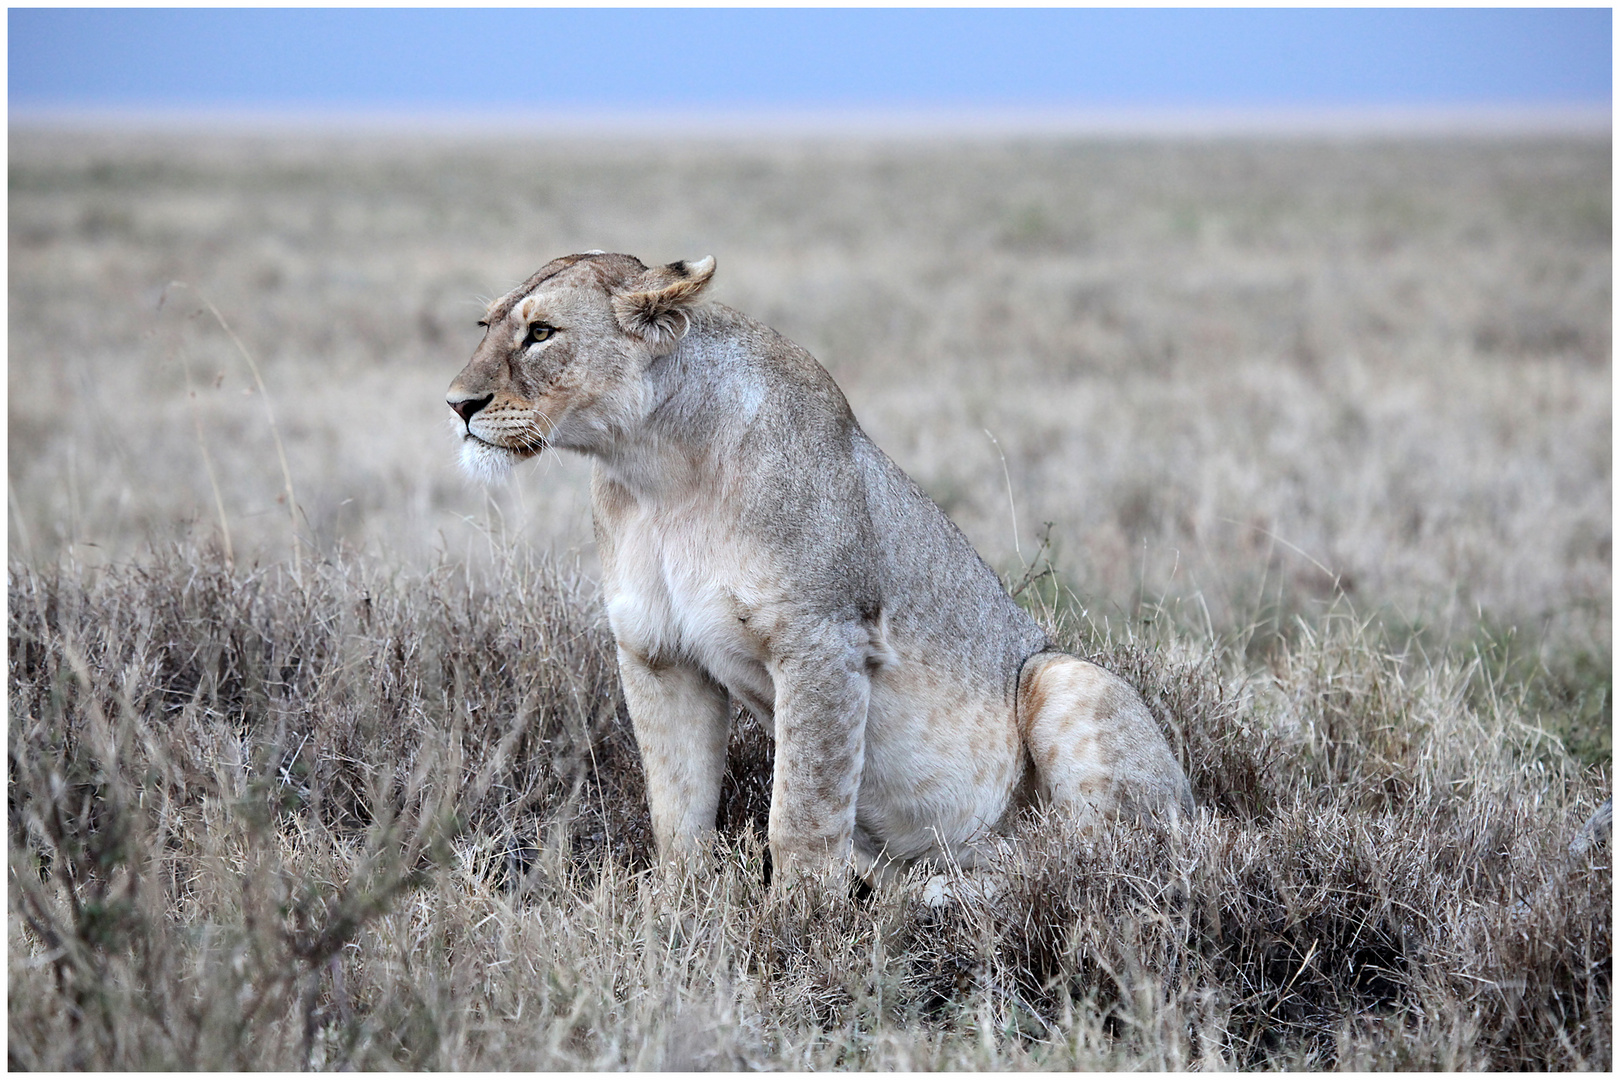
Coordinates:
(510, 59)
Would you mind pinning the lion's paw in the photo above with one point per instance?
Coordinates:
(942, 890)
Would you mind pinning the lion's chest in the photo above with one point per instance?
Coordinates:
(682, 591)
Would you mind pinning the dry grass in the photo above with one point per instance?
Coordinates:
(1323, 433)
(376, 822)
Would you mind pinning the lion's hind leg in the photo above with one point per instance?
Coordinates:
(1096, 751)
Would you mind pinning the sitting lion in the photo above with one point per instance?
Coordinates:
(756, 545)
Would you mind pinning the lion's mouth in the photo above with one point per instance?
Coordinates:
(526, 447)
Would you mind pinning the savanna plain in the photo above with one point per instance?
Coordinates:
(316, 752)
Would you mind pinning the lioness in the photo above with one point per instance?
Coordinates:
(756, 544)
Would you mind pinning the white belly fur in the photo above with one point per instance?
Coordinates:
(922, 791)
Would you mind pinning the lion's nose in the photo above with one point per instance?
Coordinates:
(467, 408)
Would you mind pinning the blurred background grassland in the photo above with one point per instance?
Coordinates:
(1231, 384)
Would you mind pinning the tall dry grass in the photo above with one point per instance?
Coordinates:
(375, 819)
(313, 764)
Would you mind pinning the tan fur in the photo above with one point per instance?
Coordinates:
(757, 547)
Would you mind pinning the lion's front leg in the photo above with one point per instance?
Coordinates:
(820, 721)
(682, 721)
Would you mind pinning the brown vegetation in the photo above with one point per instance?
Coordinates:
(369, 821)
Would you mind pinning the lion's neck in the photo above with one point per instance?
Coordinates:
(697, 403)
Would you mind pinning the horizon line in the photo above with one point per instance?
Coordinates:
(855, 122)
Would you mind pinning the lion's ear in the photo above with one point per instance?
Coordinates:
(653, 304)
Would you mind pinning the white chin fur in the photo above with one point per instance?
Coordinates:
(485, 462)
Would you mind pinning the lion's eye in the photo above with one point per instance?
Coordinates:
(538, 332)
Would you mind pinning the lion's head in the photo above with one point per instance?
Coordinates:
(563, 355)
